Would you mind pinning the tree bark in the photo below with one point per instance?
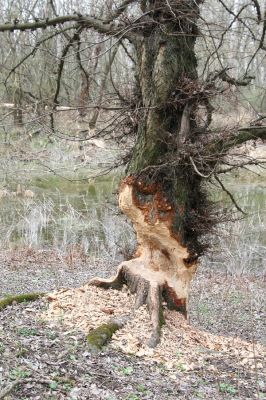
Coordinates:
(163, 203)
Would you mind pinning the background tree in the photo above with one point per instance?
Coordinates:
(176, 150)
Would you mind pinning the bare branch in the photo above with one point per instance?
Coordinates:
(230, 195)
(9, 388)
(224, 76)
(120, 9)
(33, 51)
(72, 40)
(242, 136)
(257, 7)
(128, 53)
(243, 22)
(197, 171)
(261, 45)
(53, 7)
(99, 25)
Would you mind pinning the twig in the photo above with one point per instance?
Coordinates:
(37, 45)
(197, 171)
(8, 389)
(230, 195)
(257, 7)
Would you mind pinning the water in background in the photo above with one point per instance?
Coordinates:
(84, 213)
(63, 214)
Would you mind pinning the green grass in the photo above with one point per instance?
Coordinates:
(127, 370)
(25, 331)
(227, 388)
(19, 373)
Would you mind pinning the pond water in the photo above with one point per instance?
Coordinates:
(63, 214)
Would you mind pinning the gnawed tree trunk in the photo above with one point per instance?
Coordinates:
(161, 268)
(163, 202)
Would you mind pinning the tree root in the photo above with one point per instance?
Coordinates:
(150, 288)
(20, 298)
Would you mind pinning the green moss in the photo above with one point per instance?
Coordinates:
(161, 317)
(98, 337)
(20, 298)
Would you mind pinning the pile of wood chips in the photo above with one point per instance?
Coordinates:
(181, 346)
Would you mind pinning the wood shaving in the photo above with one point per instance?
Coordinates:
(182, 346)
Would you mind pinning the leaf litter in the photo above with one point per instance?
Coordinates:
(44, 348)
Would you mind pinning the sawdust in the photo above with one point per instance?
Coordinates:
(182, 346)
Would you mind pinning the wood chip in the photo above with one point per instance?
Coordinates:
(182, 346)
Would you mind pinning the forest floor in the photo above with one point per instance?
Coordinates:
(49, 359)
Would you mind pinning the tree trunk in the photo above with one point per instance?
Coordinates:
(161, 197)
(106, 71)
(87, 78)
(18, 115)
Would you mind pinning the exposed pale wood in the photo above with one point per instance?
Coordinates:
(159, 269)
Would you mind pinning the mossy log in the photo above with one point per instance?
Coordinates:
(99, 337)
(20, 298)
